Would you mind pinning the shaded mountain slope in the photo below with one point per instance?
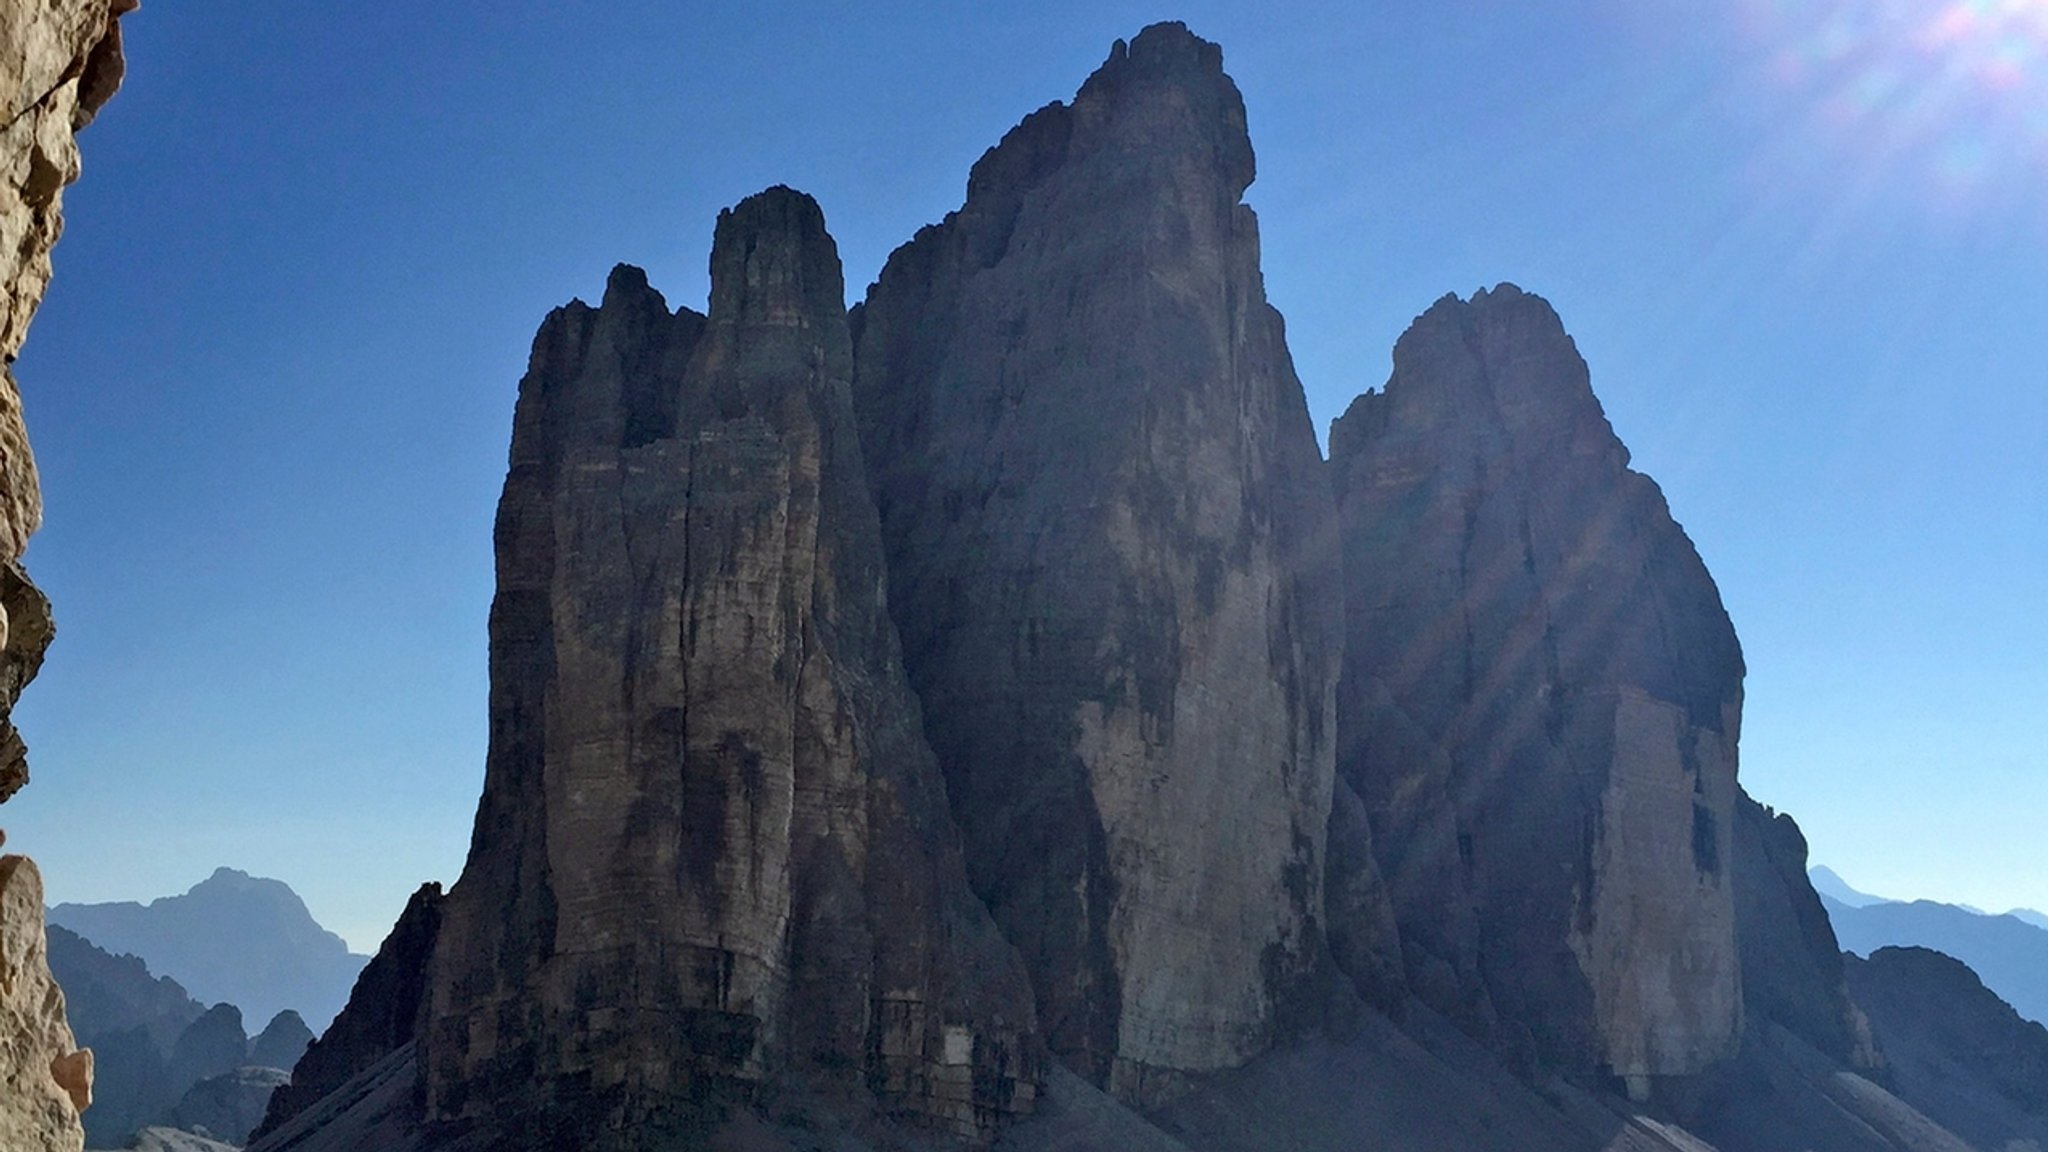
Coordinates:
(1956, 1050)
(2010, 954)
(1541, 700)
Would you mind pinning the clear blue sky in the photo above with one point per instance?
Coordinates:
(1802, 245)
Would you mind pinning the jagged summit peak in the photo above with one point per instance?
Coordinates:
(1167, 48)
(627, 280)
(1505, 294)
(1491, 324)
(773, 262)
(1159, 102)
(1500, 358)
(778, 202)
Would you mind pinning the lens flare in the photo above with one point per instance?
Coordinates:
(1940, 97)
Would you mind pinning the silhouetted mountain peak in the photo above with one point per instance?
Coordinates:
(235, 937)
(1830, 884)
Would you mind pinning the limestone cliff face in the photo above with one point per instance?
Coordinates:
(1109, 557)
(713, 851)
(45, 1082)
(60, 60)
(1540, 704)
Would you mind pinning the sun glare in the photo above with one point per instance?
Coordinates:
(1950, 96)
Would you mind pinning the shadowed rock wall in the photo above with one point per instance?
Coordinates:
(1112, 560)
(1540, 704)
(713, 853)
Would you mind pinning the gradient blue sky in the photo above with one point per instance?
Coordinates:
(1801, 244)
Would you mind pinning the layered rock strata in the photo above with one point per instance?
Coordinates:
(713, 855)
(1540, 703)
(1110, 558)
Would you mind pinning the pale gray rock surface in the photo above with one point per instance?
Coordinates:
(713, 856)
(1541, 702)
(1110, 552)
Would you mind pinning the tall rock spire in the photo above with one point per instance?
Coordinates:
(713, 853)
(1111, 549)
(1540, 704)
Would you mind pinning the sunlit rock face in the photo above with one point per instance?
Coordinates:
(45, 1082)
(1111, 558)
(60, 60)
(713, 853)
(1540, 703)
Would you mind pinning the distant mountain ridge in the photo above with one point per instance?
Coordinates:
(1829, 883)
(2009, 953)
(243, 939)
(161, 1057)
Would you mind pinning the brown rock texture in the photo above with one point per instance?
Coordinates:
(1110, 552)
(382, 1016)
(45, 1081)
(1540, 703)
(713, 857)
(59, 61)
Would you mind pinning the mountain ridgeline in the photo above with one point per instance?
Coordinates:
(232, 937)
(984, 717)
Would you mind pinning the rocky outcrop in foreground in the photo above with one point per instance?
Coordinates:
(1110, 555)
(45, 1082)
(60, 60)
(713, 851)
